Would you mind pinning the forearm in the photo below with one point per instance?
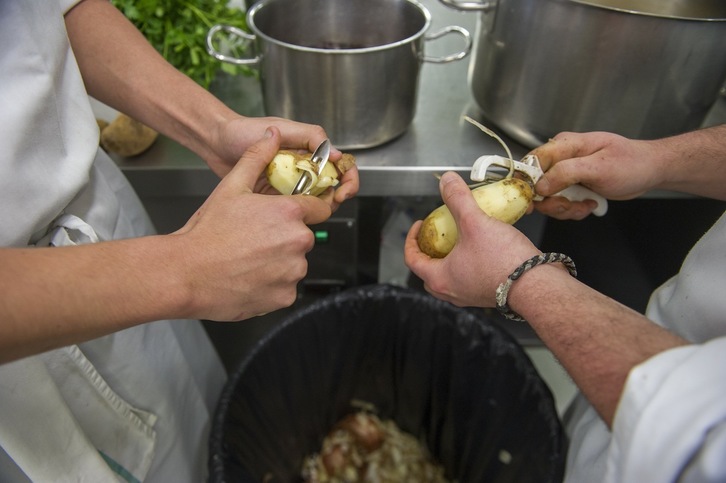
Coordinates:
(121, 69)
(695, 162)
(52, 297)
(596, 339)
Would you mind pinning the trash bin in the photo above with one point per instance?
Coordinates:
(447, 375)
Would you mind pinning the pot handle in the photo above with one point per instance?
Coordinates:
(470, 6)
(225, 58)
(451, 29)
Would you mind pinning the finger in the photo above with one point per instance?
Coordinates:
(254, 161)
(570, 158)
(564, 145)
(349, 186)
(561, 208)
(314, 210)
(580, 170)
(414, 258)
(458, 197)
(298, 135)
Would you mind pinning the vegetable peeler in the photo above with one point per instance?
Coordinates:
(493, 167)
(319, 159)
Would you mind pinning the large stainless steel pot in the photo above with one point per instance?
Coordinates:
(349, 66)
(641, 68)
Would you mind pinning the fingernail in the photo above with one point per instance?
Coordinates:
(543, 186)
(447, 177)
(268, 133)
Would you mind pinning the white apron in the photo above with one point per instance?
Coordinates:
(132, 406)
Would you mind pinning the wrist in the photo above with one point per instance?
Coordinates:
(549, 261)
(166, 288)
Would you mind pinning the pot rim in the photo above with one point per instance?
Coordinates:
(620, 6)
(376, 48)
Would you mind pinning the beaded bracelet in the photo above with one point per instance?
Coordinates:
(503, 289)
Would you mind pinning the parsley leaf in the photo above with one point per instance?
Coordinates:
(178, 31)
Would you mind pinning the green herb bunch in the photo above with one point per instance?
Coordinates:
(178, 30)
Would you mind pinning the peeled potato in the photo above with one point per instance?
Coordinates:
(285, 169)
(506, 200)
(127, 137)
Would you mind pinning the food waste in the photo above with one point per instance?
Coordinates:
(363, 448)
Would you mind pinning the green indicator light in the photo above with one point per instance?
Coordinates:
(321, 236)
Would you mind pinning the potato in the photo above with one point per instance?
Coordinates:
(506, 200)
(127, 137)
(102, 124)
(285, 170)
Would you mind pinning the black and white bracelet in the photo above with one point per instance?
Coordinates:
(503, 289)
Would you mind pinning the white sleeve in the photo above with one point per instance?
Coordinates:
(670, 424)
(66, 5)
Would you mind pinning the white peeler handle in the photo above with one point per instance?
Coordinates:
(577, 192)
(530, 167)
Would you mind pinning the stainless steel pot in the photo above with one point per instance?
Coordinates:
(349, 66)
(641, 68)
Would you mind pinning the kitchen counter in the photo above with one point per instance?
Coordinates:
(437, 140)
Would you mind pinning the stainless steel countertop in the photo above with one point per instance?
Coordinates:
(438, 139)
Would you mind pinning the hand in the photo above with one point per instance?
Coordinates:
(244, 252)
(611, 165)
(238, 133)
(486, 253)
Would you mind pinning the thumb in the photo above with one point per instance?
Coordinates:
(254, 161)
(457, 196)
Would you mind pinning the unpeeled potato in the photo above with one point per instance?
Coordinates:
(126, 136)
(506, 200)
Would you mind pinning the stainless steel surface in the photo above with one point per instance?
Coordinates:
(352, 70)
(684, 9)
(701, 9)
(438, 139)
(402, 167)
(544, 66)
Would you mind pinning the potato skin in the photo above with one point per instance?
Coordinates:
(434, 239)
(283, 174)
(127, 137)
(506, 200)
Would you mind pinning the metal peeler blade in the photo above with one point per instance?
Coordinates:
(319, 159)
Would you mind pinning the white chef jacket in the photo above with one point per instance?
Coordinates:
(132, 406)
(670, 424)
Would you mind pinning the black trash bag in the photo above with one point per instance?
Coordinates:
(454, 379)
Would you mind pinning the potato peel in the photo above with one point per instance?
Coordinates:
(286, 167)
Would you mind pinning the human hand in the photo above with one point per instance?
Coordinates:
(486, 253)
(243, 253)
(237, 134)
(611, 165)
